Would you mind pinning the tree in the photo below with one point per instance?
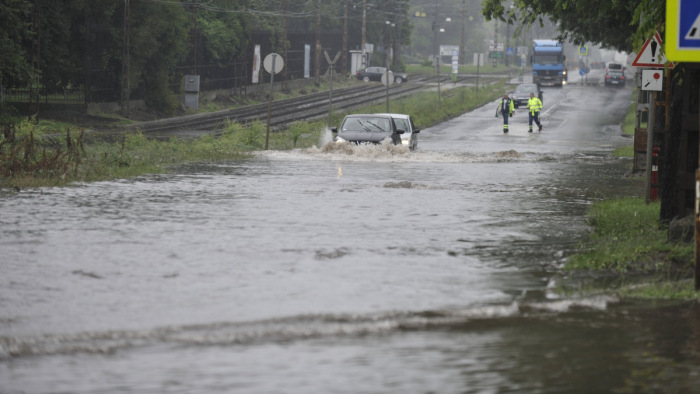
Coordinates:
(159, 44)
(618, 24)
(15, 67)
(221, 25)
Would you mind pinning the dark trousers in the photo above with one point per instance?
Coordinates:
(505, 120)
(534, 115)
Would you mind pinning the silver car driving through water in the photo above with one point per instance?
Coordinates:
(368, 129)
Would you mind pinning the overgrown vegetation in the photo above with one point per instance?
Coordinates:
(28, 160)
(22, 157)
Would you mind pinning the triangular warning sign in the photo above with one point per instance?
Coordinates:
(649, 55)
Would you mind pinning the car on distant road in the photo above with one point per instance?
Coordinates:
(614, 67)
(521, 94)
(615, 78)
(363, 129)
(409, 138)
(375, 74)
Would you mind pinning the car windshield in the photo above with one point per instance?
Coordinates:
(367, 124)
(526, 89)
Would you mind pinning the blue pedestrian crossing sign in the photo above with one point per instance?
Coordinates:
(509, 51)
(583, 50)
(683, 30)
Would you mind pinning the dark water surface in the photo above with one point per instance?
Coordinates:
(346, 270)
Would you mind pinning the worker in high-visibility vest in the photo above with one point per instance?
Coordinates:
(534, 104)
(506, 109)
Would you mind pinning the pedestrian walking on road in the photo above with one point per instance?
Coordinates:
(534, 104)
(507, 109)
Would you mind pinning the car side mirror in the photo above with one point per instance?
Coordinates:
(399, 131)
(334, 129)
(416, 131)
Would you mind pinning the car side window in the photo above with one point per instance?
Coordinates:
(401, 124)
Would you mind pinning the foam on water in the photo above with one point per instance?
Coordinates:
(387, 152)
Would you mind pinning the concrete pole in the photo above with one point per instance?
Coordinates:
(364, 33)
(650, 146)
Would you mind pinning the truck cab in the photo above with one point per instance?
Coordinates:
(548, 66)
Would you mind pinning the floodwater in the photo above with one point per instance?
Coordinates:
(348, 270)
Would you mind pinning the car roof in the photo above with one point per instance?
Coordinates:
(400, 116)
(368, 116)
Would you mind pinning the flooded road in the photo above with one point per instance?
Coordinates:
(347, 270)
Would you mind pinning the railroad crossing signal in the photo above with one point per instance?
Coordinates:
(683, 30)
(652, 80)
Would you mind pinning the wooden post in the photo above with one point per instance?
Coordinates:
(697, 214)
(697, 230)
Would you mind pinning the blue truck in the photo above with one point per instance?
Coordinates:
(547, 60)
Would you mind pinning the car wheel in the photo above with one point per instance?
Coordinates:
(365, 78)
(398, 80)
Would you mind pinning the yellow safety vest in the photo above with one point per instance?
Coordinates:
(534, 104)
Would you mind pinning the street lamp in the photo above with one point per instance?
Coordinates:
(387, 79)
(437, 28)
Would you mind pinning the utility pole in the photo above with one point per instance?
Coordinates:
(344, 66)
(364, 33)
(36, 56)
(285, 42)
(462, 48)
(125, 59)
(317, 56)
(397, 37)
(436, 51)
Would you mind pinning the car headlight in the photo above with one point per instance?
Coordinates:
(405, 140)
(338, 139)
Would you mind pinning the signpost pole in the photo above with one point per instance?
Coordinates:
(478, 62)
(650, 145)
(269, 102)
(273, 66)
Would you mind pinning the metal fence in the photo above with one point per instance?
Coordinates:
(73, 96)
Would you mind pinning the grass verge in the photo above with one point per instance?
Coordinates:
(627, 239)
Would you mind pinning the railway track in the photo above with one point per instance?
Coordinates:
(283, 112)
